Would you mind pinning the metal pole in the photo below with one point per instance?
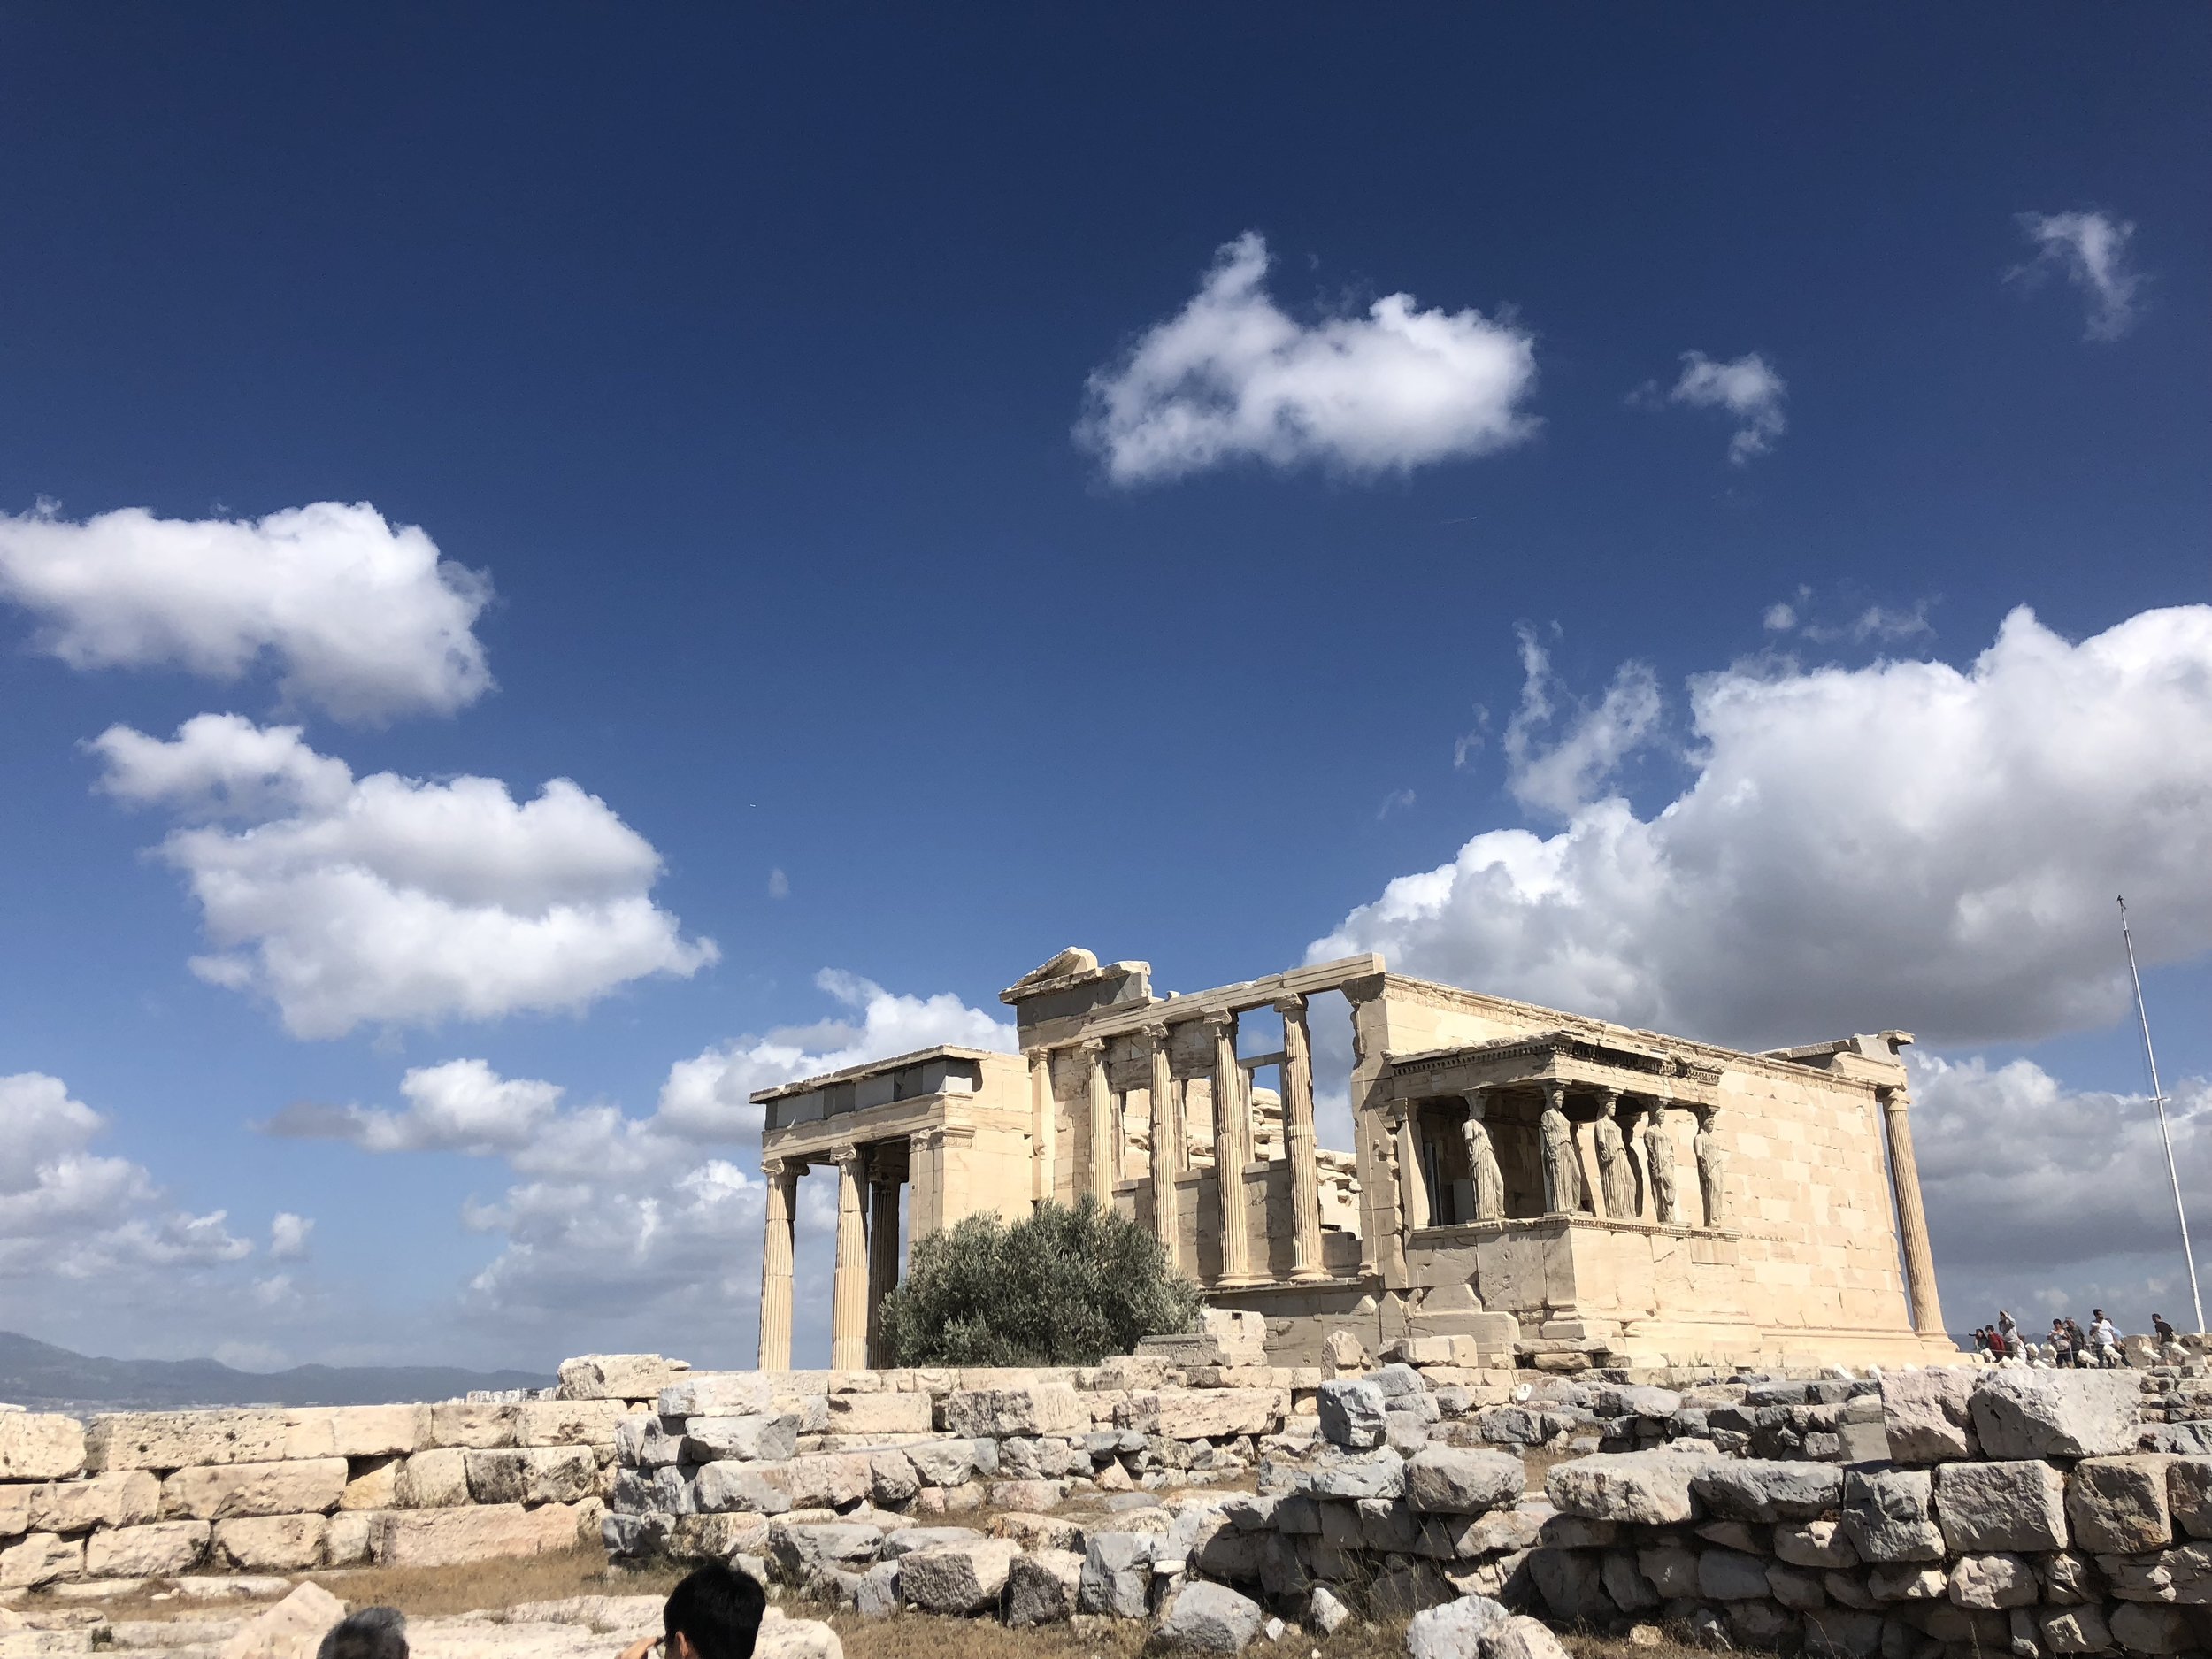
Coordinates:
(2158, 1099)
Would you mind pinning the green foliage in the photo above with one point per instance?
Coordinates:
(1059, 1288)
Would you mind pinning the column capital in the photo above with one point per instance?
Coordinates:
(1555, 1092)
(1612, 1099)
(847, 1154)
(1219, 1023)
(773, 1168)
(1289, 1007)
(1156, 1034)
(1478, 1100)
(1895, 1102)
(1091, 1048)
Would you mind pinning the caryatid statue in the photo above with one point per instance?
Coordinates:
(1616, 1174)
(1562, 1167)
(1659, 1160)
(1712, 1165)
(1482, 1164)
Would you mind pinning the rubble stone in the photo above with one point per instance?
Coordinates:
(2020, 1414)
(2118, 1504)
(2014, 1505)
(957, 1579)
(1042, 1587)
(1449, 1480)
(1927, 1414)
(1210, 1617)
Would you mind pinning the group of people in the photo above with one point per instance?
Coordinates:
(2067, 1344)
(713, 1613)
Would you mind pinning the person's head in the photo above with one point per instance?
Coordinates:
(2096, 1313)
(374, 1632)
(713, 1613)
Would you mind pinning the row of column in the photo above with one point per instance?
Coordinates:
(1170, 1146)
(867, 1257)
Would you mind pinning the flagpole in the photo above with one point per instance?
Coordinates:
(2158, 1099)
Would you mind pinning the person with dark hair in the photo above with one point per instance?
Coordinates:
(374, 1632)
(713, 1613)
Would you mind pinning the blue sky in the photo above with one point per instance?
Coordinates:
(943, 491)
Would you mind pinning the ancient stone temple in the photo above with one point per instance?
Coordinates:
(1518, 1174)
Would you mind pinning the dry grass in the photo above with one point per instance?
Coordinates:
(437, 1592)
(919, 1636)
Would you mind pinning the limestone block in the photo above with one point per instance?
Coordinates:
(127, 1497)
(378, 1431)
(1026, 1495)
(2117, 1505)
(1117, 1576)
(1842, 1633)
(945, 1463)
(827, 1480)
(1815, 1544)
(713, 1440)
(720, 1394)
(179, 1440)
(1760, 1490)
(533, 1474)
(2073, 1630)
(373, 1484)
(904, 1540)
(2151, 1629)
(1193, 1414)
(435, 1479)
(1908, 1581)
(798, 1549)
(1730, 1575)
(879, 1414)
(569, 1422)
(1042, 1587)
(40, 1446)
(1034, 1409)
(956, 1579)
(445, 1538)
(1490, 1534)
(2068, 1578)
(783, 1637)
(717, 1536)
(2189, 1494)
(2020, 1414)
(1671, 1569)
(309, 1486)
(473, 1425)
(1351, 1412)
(1927, 1414)
(2183, 1575)
(2018, 1505)
(1038, 1533)
(1380, 1473)
(1523, 1638)
(1649, 1489)
(1798, 1588)
(346, 1541)
(40, 1558)
(293, 1629)
(1994, 1581)
(725, 1488)
(1452, 1480)
(157, 1550)
(1889, 1515)
(269, 1543)
(1625, 1584)
(619, 1376)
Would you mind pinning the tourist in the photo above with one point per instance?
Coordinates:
(2104, 1339)
(2007, 1335)
(2166, 1335)
(374, 1632)
(713, 1613)
(2061, 1344)
(1981, 1342)
(2080, 1343)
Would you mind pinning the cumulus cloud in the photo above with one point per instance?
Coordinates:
(2090, 250)
(1746, 388)
(610, 1223)
(288, 1238)
(67, 1211)
(1233, 377)
(1901, 843)
(2053, 1199)
(395, 900)
(359, 617)
(1557, 777)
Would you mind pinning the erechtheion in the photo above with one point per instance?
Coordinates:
(1519, 1175)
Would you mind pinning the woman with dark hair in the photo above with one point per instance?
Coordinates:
(713, 1613)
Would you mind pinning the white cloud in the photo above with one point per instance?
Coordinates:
(2056, 1200)
(67, 1210)
(1901, 844)
(1233, 377)
(392, 899)
(1558, 777)
(1779, 619)
(360, 617)
(1746, 388)
(2091, 251)
(287, 1237)
(613, 1225)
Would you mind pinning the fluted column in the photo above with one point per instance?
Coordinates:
(775, 1267)
(1044, 1127)
(883, 1244)
(1232, 1150)
(1413, 1189)
(848, 1299)
(1298, 1141)
(1167, 1145)
(1099, 1108)
(1912, 1220)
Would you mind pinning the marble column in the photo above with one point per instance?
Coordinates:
(883, 1244)
(848, 1298)
(1044, 1127)
(1099, 1108)
(1298, 1141)
(775, 1266)
(1413, 1187)
(1232, 1150)
(1912, 1220)
(1167, 1146)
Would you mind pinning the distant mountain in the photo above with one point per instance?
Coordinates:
(46, 1378)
